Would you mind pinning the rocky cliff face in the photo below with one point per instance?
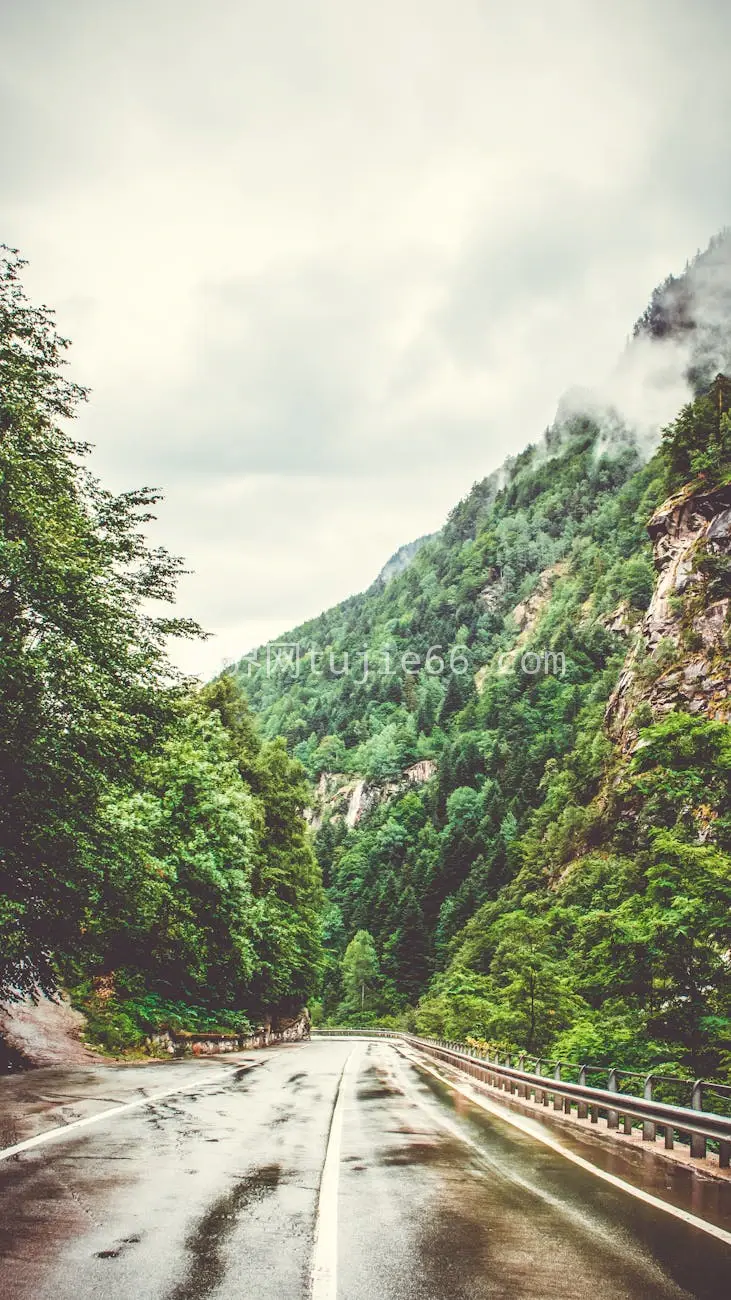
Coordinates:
(294, 1029)
(349, 798)
(682, 658)
(525, 616)
(43, 1031)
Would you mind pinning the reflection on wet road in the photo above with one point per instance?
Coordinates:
(215, 1191)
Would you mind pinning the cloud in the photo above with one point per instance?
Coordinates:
(324, 265)
(671, 357)
(264, 541)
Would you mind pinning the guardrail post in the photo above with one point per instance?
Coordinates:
(649, 1129)
(724, 1154)
(541, 1095)
(582, 1110)
(698, 1145)
(612, 1086)
(557, 1100)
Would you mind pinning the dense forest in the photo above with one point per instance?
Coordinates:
(558, 877)
(153, 855)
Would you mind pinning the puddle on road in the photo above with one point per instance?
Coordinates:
(115, 1251)
(378, 1085)
(416, 1153)
(205, 1242)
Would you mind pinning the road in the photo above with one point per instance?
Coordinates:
(327, 1169)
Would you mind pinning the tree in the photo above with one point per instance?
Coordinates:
(174, 906)
(360, 970)
(698, 442)
(406, 954)
(147, 835)
(84, 679)
(285, 875)
(689, 934)
(329, 756)
(533, 991)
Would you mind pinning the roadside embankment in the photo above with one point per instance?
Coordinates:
(50, 1032)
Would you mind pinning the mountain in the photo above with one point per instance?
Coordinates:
(694, 310)
(552, 669)
(401, 559)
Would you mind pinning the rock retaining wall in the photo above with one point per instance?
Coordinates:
(189, 1044)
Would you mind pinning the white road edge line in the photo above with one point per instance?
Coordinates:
(518, 1122)
(50, 1134)
(324, 1269)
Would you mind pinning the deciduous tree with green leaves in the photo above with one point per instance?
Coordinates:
(148, 838)
(360, 971)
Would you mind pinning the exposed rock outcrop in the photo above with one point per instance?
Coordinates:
(349, 798)
(527, 613)
(619, 620)
(681, 659)
(43, 1032)
(292, 1030)
(49, 1032)
(491, 596)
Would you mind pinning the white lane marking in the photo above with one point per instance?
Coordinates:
(556, 1203)
(533, 1131)
(324, 1273)
(52, 1133)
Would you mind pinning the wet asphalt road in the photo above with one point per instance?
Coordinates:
(215, 1191)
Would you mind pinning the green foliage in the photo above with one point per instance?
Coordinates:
(123, 1024)
(84, 679)
(698, 443)
(146, 833)
(360, 971)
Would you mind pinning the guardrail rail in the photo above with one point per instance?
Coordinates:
(692, 1124)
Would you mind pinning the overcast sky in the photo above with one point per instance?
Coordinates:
(325, 264)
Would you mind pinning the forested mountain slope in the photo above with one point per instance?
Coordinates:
(563, 880)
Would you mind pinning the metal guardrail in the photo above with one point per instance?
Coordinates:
(693, 1123)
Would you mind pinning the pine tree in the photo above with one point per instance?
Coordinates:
(698, 443)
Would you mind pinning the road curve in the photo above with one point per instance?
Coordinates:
(337, 1170)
